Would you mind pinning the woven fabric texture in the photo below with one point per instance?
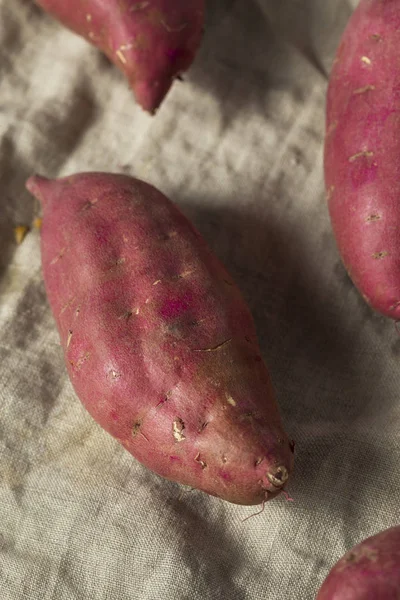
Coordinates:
(238, 146)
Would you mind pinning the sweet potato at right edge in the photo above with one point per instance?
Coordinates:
(362, 152)
(370, 571)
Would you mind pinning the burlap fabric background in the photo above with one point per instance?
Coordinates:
(238, 146)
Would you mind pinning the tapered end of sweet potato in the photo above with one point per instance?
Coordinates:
(150, 94)
(37, 185)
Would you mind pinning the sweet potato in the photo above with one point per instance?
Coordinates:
(151, 42)
(158, 342)
(362, 152)
(370, 571)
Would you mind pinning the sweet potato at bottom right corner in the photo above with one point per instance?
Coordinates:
(362, 152)
(151, 41)
(158, 341)
(370, 571)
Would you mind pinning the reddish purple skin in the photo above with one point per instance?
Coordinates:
(150, 41)
(362, 152)
(157, 336)
(370, 571)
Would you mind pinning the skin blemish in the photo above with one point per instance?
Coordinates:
(157, 282)
(184, 274)
(175, 459)
(67, 305)
(177, 430)
(147, 300)
(69, 338)
(224, 459)
(165, 399)
(224, 475)
(363, 90)
(329, 192)
(89, 204)
(258, 461)
(380, 255)
(351, 557)
(366, 60)
(169, 235)
(81, 361)
(114, 374)
(376, 37)
(121, 56)
(228, 282)
(126, 47)
(230, 400)
(203, 426)
(364, 153)
(136, 428)
(279, 478)
(201, 462)
(372, 218)
(59, 255)
(88, 18)
(214, 348)
(78, 310)
(126, 316)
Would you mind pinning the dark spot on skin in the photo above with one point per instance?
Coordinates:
(201, 462)
(372, 218)
(203, 426)
(279, 478)
(136, 428)
(127, 315)
(380, 255)
(351, 557)
(292, 445)
(165, 399)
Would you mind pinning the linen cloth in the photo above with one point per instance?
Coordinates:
(238, 145)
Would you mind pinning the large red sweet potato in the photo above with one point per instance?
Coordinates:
(150, 41)
(362, 152)
(370, 571)
(158, 342)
